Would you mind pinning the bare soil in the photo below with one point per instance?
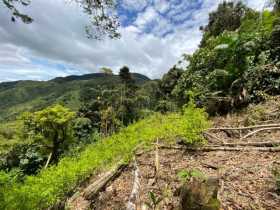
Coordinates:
(246, 181)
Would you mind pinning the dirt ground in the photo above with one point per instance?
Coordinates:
(245, 178)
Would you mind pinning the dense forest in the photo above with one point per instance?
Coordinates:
(56, 134)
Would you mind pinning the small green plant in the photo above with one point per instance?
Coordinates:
(186, 175)
(255, 115)
(154, 201)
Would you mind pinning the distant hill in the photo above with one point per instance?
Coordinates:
(26, 95)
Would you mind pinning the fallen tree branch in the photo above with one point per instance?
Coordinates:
(132, 203)
(250, 144)
(259, 130)
(244, 128)
(93, 189)
(229, 149)
(207, 165)
(207, 135)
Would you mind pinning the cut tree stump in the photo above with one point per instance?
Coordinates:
(200, 194)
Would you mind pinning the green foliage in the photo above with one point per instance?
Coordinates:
(227, 17)
(106, 71)
(25, 156)
(52, 124)
(194, 121)
(147, 95)
(186, 175)
(11, 135)
(165, 106)
(256, 114)
(82, 128)
(125, 75)
(276, 5)
(169, 81)
(237, 60)
(50, 185)
(275, 43)
(103, 21)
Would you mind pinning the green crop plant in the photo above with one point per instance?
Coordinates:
(52, 184)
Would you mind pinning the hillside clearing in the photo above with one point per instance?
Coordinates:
(245, 177)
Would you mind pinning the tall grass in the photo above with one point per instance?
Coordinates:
(52, 184)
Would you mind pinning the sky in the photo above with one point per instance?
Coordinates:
(154, 36)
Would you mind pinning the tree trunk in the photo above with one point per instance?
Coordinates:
(55, 148)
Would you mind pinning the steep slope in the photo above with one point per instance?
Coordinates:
(19, 96)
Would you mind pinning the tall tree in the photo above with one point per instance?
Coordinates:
(125, 75)
(276, 5)
(228, 16)
(52, 125)
(170, 80)
(103, 20)
(106, 71)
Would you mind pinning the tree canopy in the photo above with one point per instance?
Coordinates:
(101, 13)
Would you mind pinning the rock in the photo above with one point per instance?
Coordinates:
(200, 194)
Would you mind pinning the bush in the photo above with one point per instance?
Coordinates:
(26, 157)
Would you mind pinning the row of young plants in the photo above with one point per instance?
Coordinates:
(54, 183)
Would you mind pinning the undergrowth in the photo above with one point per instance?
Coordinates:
(54, 183)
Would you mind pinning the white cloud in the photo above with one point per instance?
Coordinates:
(57, 37)
(148, 16)
(135, 5)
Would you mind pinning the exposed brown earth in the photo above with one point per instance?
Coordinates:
(246, 181)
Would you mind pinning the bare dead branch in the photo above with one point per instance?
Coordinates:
(225, 149)
(260, 130)
(244, 128)
(210, 136)
(250, 144)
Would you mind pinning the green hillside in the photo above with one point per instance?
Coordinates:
(58, 136)
(20, 96)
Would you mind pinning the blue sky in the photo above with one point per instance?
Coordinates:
(155, 34)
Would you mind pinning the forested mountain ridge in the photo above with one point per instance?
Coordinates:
(20, 96)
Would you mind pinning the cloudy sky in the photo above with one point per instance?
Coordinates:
(155, 33)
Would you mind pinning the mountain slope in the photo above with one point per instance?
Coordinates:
(19, 96)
